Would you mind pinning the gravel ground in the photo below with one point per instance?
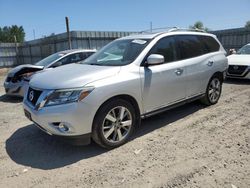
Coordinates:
(191, 146)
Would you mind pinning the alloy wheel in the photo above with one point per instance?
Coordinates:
(214, 90)
(117, 124)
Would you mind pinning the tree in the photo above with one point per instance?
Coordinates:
(247, 24)
(198, 25)
(7, 34)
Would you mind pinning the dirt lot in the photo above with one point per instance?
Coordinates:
(191, 146)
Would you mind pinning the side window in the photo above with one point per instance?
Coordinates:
(189, 46)
(204, 44)
(211, 44)
(85, 55)
(65, 60)
(165, 47)
(73, 58)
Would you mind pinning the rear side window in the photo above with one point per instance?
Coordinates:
(195, 45)
(165, 47)
(210, 43)
(189, 46)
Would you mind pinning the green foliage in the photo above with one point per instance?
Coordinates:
(199, 25)
(7, 34)
(247, 24)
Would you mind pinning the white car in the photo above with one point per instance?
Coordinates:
(18, 78)
(239, 63)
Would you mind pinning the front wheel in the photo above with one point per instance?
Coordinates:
(114, 123)
(213, 91)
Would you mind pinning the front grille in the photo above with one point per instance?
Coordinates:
(33, 95)
(236, 69)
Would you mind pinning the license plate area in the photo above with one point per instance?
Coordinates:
(27, 114)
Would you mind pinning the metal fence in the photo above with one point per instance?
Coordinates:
(32, 51)
(233, 38)
(8, 54)
(35, 50)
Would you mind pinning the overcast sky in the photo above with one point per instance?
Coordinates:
(48, 16)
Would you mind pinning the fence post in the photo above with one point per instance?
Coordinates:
(16, 49)
(30, 55)
(89, 42)
(68, 33)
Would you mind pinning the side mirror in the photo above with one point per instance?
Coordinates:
(57, 64)
(155, 59)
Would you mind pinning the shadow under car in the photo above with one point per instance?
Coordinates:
(10, 99)
(30, 146)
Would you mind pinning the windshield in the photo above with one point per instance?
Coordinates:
(244, 50)
(46, 61)
(118, 53)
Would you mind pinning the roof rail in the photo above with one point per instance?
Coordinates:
(170, 29)
(157, 30)
(186, 29)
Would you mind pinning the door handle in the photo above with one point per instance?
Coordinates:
(178, 72)
(210, 63)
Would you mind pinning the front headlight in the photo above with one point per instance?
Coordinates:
(67, 96)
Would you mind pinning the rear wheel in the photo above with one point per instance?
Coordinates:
(213, 91)
(114, 123)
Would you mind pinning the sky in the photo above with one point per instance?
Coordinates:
(44, 17)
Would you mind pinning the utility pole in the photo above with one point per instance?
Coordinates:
(68, 33)
(15, 41)
(151, 27)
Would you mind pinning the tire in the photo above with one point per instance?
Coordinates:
(114, 123)
(213, 91)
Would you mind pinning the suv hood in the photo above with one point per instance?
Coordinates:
(71, 76)
(21, 69)
(238, 59)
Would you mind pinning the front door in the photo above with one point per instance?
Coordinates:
(163, 84)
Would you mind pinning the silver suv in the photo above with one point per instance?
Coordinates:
(105, 96)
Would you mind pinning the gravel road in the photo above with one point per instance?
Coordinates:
(191, 146)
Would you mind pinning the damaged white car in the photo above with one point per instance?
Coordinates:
(18, 78)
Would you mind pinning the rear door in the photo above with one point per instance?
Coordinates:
(163, 84)
(194, 53)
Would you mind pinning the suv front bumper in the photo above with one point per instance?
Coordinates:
(72, 121)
